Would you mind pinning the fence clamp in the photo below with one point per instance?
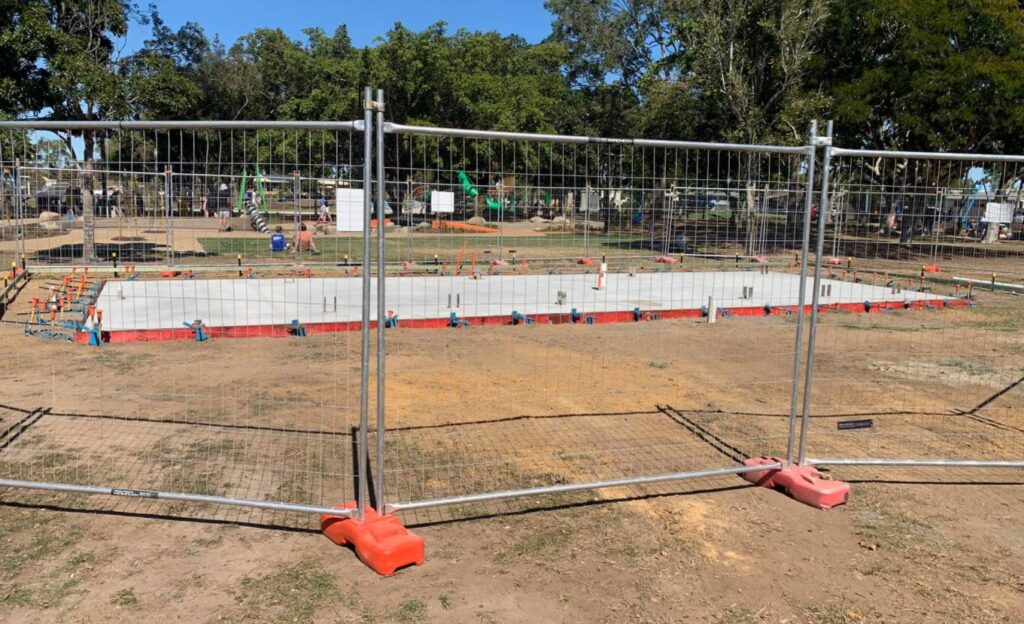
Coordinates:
(375, 106)
(822, 141)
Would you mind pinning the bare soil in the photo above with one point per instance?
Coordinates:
(483, 409)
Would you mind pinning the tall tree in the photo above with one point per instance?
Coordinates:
(750, 62)
(927, 74)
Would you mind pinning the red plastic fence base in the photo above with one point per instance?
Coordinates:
(380, 541)
(803, 483)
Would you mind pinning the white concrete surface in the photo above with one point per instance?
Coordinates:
(152, 304)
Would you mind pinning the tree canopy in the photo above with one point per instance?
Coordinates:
(907, 74)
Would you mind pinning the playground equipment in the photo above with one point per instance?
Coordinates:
(472, 191)
(259, 222)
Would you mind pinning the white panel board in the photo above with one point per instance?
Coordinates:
(349, 210)
(996, 212)
(442, 202)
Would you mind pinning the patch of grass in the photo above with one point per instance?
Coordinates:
(740, 615)
(125, 599)
(968, 367)
(44, 542)
(877, 327)
(292, 594)
(658, 365)
(193, 581)
(536, 540)
(15, 596)
(120, 361)
(835, 615)
(411, 611)
(446, 602)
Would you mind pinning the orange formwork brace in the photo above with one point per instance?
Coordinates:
(380, 541)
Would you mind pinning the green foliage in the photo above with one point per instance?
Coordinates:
(911, 74)
(927, 74)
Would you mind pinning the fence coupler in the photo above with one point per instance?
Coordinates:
(380, 541)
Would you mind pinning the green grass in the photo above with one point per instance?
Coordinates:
(835, 615)
(448, 246)
(740, 615)
(291, 594)
(411, 611)
(125, 599)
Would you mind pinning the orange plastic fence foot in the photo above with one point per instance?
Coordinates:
(804, 483)
(380, 541)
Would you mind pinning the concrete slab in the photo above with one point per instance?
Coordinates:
(167, 304)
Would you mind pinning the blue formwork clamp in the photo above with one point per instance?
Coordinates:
(455, 321)
(199, 329)
(577, 316)
(297, 329)
(637, 315)
(767, 310)
(724, 313)
(868, 306)
(95, 336)
(391, 321)
(518, 318)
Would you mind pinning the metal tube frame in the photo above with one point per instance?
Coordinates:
(381, 270)
(156, 494)
(364, 369)
(393, 128)
(839, 151)
(915, 463)
(576, 487)
(45, 124)
(802, 297)
(818, 267)
(815, 295)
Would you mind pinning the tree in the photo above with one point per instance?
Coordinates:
(750, 59)
(623, 40)
(926, 74)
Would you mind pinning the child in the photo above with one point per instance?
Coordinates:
(278, 242)
(304, 240)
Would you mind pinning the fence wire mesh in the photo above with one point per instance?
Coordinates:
(545, 387)
(937, 378)
(604, 312)
(269, 421)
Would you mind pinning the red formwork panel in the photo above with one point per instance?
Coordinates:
(620, 316)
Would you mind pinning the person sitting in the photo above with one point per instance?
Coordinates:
(304, 240)
(278, 242)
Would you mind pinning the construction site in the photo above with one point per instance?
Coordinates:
(489, 369)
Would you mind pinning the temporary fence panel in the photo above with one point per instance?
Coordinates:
(190, 194)
(170, 405)
(932, 374)
(574, 282)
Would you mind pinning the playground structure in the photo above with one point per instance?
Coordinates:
(606, 363)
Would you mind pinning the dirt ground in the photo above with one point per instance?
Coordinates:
(483, 409)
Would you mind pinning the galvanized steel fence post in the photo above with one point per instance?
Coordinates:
(364, 373)
(381, 305)
(812, 149)
(815, 295)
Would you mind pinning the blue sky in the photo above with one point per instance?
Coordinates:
(366, 19)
